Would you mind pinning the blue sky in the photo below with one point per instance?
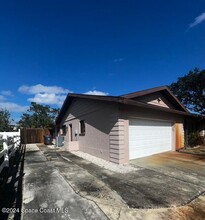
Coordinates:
(51, 47)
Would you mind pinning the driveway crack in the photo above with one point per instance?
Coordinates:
(77, 191)
(119, 215)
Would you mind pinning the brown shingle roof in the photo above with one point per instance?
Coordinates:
(127, 100)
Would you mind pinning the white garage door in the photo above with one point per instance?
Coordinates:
(148, 137)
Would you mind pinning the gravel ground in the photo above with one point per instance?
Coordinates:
(105, 164)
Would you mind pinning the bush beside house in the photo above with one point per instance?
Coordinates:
(195, 139)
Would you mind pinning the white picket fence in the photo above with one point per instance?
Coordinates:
(10, 145)
(10, 134)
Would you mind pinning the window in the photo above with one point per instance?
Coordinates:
(64, 130)
(82, 127)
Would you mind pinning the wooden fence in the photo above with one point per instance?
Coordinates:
(33, 135)
(10, 145)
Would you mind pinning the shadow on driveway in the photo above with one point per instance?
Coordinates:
(11, 186)
(144, 188)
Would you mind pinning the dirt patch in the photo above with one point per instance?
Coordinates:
(198, 150)
(89, 188)
(193, 211)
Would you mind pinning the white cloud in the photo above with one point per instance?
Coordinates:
(39, 88)
(2, 98)
(95, 92)
(13, 107)
(48, 98)
(198, 20)
(6, 92)
(10, 106)
(50, 95)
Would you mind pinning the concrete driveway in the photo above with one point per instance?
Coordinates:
(166, 186)
(187, 168)
(151, 186)
(47, 195)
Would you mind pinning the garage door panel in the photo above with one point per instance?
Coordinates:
(148, 137)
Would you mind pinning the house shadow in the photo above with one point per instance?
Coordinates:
(11, 186)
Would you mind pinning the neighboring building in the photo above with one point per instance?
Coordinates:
(120, 128)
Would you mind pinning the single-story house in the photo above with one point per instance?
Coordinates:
(121, 128)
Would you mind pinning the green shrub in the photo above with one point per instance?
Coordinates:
(195, 139)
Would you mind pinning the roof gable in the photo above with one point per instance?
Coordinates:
(155, 98)
(160, 96)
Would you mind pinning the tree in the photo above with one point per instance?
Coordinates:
(5, 120)
(190, 90)
(38, 116)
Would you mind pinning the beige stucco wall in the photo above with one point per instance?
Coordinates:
(107, 127)
(100, 118)
(118, 141)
